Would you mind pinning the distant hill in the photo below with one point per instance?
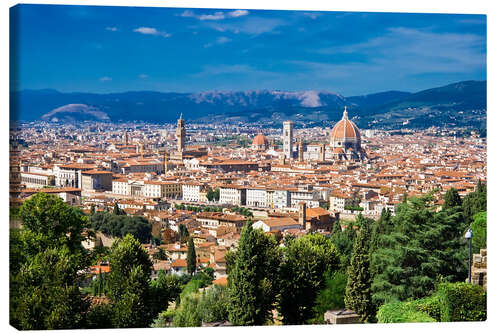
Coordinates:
(458, 104)
(449, 104)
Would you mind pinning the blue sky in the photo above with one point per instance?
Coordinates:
(115, 49)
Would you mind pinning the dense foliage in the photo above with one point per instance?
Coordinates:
(331, 297)
(128, 283)
(478, 227)
(451, 302)
(358, 296)
(253, 278)
(474, 202)
(45, 256)
(304, 263)
(402, 312)
(420, 245)
(343, 242)
(191, 257)
(462, 302)
(121, 225)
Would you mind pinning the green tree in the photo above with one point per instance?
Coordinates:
(253, 278)
(160, 255)
(99, 316)
(210, 194)
(213, 305)
(49, 297)
(479, 232)
(163, 290)
(358, 291)
(58, 222)
(217, 194)
(423, 246)
(343, 241)
(45, 256)
(305, 261)
(121, 225)
(332, 296)
(187, 315)
(128, 283)
(117, 210)
(381, 228)
(191, 257)
(183, 233)
(92, 209)
(452, 199)
(474, 202)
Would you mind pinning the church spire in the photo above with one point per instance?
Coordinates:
(345, 113)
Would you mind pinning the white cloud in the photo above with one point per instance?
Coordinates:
(251, 26)
(212, 17)
(151, 31)
(223, 40)
(312, 16)
(143, 76)
(105, 78)
(215, 16)
(188, 13)
(238, 13)
(112, 28)
(220, 41)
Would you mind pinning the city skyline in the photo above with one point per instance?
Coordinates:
(104, 49)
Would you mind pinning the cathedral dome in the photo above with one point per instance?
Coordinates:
(345, 129)
(260, 140)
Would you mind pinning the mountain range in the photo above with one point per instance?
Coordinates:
(457, 104)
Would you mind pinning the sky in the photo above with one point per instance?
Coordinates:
(103, 49)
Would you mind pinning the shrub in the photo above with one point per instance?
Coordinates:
(213, 305)
(429, 305)
(402, 312)
(462, 302)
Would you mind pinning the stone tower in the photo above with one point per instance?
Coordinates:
(301, 150)
(321, 156)
(165, 162)
(302, 214)
(180, 134)
(288, 139)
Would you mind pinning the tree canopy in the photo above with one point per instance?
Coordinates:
(304, 264)
(358, 295)
(420, 246)
(121, 225)
(253, 278)
(46, 255)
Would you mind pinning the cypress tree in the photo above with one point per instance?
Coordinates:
(116, 209)
(358, 291)
(253, 278)
(452, 199)
(191, 257)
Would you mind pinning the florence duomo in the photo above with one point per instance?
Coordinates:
(344, 144)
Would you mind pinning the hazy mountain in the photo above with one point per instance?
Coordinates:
(74, 113)
(449, 104)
